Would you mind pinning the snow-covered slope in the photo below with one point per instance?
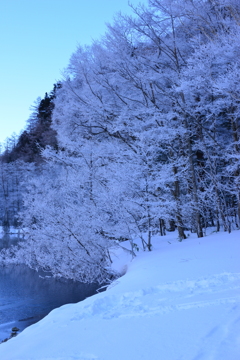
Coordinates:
(179, 302)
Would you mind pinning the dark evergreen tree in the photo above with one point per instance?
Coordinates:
(38, 133)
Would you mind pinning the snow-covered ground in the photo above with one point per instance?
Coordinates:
(179, 302)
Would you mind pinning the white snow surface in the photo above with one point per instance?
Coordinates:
(179, 302)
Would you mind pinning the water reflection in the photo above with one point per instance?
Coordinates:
(26, 296)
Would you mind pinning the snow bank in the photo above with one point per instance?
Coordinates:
(179, 302)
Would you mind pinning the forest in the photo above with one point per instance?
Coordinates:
(139, 137)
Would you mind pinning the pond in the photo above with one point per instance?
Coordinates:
(26, 296)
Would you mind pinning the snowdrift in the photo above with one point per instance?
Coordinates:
(179, 302)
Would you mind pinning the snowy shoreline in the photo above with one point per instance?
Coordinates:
(180, 301)
(21, 324)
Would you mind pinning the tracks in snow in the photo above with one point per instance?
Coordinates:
(179, 295)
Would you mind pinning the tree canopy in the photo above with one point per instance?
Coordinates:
(147, 127)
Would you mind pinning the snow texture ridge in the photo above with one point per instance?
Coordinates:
(178, 295)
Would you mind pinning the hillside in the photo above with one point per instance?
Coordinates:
(180, 301)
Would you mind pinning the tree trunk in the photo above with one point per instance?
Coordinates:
(196, 211)
(236, 148)
(180, 227)
(162, 227)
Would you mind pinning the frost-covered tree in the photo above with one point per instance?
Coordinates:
(208, 104)
(147, 123)
(13, 179)
(64, 227)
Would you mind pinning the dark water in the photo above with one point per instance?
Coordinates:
(27, 296)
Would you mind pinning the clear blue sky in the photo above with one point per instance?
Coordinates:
(37, 38)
